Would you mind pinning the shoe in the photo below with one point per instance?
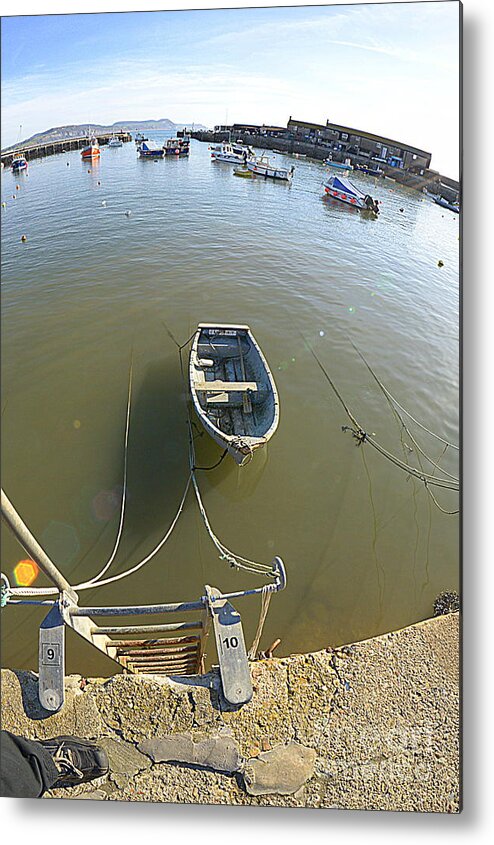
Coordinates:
(78, 760)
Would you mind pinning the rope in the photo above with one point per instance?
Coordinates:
(124, 493)
(265, 602)
(362, 437)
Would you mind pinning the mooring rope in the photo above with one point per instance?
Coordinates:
(363, 437)
(265, 602)
(391, 403)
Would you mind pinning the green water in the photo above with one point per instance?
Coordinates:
(365, 548)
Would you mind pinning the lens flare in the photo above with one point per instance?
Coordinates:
(26, 572)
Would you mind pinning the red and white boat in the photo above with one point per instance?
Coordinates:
(92, 150)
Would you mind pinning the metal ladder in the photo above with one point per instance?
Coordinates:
(135, 647)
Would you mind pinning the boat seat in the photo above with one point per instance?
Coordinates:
(226, 386)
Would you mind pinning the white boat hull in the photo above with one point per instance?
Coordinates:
(270, 172)
(221, 405)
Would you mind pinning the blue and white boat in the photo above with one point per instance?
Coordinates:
(115, 141)
(19, 162)
(339, 188)
(451, 206)
(145, 151)
(338, 165)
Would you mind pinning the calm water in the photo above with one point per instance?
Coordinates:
(366, 550)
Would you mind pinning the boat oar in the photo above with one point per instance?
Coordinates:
(245, 397)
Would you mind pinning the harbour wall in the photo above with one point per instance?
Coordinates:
(62, 146)
(373, 725)
(431, 180)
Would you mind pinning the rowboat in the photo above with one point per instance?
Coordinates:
(339, 188)
(262, 167)
(145, 151)
(232, 389)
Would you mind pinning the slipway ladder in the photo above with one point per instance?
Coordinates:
(176, 648)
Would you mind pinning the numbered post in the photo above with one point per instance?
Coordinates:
(232, 654)
(52, 660)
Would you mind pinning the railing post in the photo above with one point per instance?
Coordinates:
(33, 548)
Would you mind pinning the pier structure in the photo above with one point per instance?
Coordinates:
(64, 145)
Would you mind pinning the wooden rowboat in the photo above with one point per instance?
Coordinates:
(232, 389)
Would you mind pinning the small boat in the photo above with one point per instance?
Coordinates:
(242, 171)
(92, 150)
(369, 171)
(226, 153)
(139, 138)
(262, 167)
(232, 389)
(451, 206)
(115, 141)
(243, 149)
(337, 165)
(339, 188)
(177, 146)
(145, 151)
(19, 162)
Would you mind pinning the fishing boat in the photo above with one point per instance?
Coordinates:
(226, 153)
(178, 146)
(115, 141)
(92, 150)
(339, 188)
(19, 162)
(451, 206)
(145, 151)
(240, 148)
(262, 167)
(139, 138)
(232, 389)
(338, 165)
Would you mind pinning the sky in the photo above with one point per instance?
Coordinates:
(391, 69)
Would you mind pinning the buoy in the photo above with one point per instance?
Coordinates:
(18, 187)
(13, 196)
(89, 171)
(68, 164)
(440, 263)
(99, 183)
(128, 213)
(4, 205)
(23, 238)
(401, 209)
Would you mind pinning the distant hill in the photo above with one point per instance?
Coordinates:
(76, 130)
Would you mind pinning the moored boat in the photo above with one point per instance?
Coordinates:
(451, 206)
(115, 141)
(225, 152)
(92, 150)
(262, 167)
(339, 188)
(178, 146)
(19, 162)
(338, 165)
(232, 389)
(146, 151)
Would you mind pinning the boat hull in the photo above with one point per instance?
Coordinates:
(354, 202)
(91, 152)
(233, 391)
(270, 172)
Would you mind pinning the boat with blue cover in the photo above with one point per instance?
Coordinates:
(146, 151)
(339, 188)
(338, 165)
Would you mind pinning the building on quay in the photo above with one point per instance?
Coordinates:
(362, 145)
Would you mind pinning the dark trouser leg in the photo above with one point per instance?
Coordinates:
(27, 769)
